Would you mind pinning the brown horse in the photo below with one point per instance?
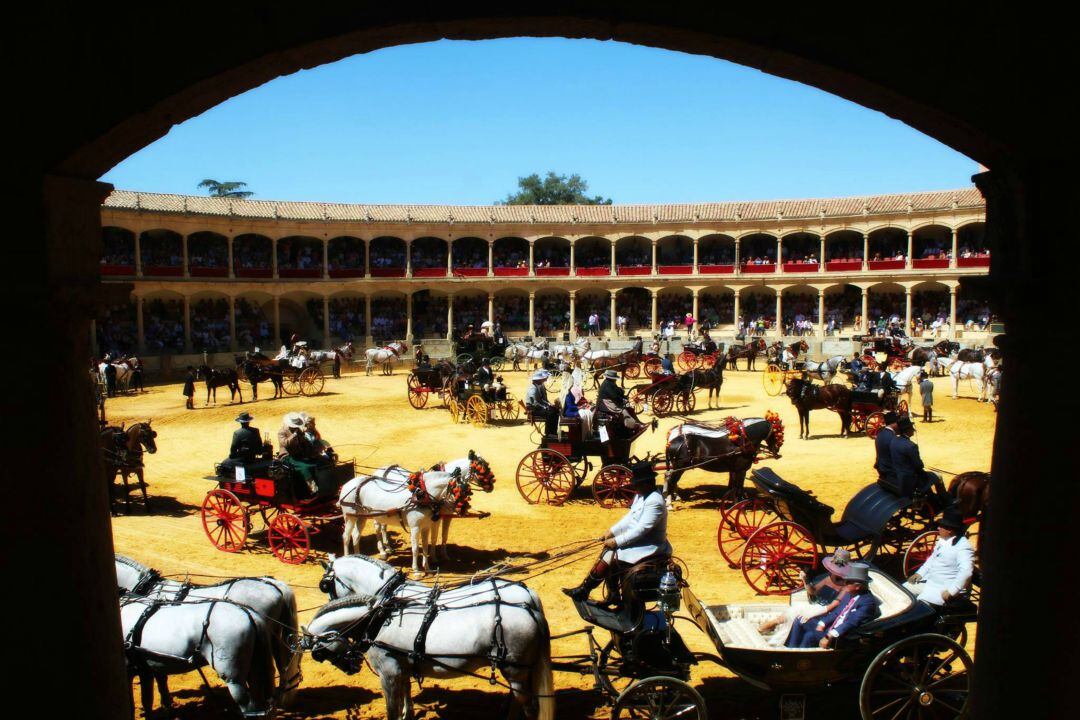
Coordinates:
(807, 396)
(750, 351)
(122, 452)
(711, 448)
(971, 490)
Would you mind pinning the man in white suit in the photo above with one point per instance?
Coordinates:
(947, 572)
(641, 533)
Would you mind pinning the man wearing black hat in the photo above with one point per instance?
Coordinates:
(883, 450)
(859, 607)
(612, 410)
(640, 535)
(247, 444)
(948, 570)
(484, 375)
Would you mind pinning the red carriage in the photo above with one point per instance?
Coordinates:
(868, 410)
(292, 506)
(664, 394)
(886, 353)
(695, 356)
(424, 381)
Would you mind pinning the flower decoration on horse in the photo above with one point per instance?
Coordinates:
(458, 495)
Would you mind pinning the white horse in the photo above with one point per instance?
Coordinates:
(164, 638)
(590, 356)
(464, 640)
(385, 356)
(272, 601)
(125, 368)
(825, 371)
(579, 348)
(905, 380)
(520, 351)
(345, 352)
(386, 490)
(993, 379)
(974, 371)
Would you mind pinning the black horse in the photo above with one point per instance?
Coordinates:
(257, 372)
(710, 378)
(750, 351)
(220, 377)
(717, 449)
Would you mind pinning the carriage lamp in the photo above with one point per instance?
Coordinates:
(670, 595)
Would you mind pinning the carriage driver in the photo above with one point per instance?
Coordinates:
(536, 400)
(247, 444)
(612, 409)
(640, 535)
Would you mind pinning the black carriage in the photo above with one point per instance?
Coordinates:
(298, 376)
(783, 530)
(868, 408)
(478, 406)
(477, 347)
(664, 394)
(426, 380)
(560, 464)
(295, 500)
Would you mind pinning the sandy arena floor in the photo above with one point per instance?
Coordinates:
(370, 419)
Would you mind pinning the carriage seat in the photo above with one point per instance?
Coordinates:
(867, 513)
(573, 428)
(867, 397)
(772, 484)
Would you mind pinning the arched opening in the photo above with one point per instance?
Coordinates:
(757, 253)
(929, 309)
(470, 257)
(675, 255)
(592, 256)
(885, 305)
(844, 251)
(801, 251)
(592, 311)
(162, 253)
(843, 309)
(348, 321)
(673, 304)
(208, 254)
(510, 257)
(975, 309)
(799, 306)
(253, 312)
(252, 256)
(428, 256)
(388, 317)
(512, 311)
(757, 310)
(345, 257)
(299, 256)
(210, 322)
(470, 311)
(633, 256)
(716, 307)
(301, 314)
(429, 314)
(635, 305)
(552, 257)
(115, 329)
(117, 251)
(552, 311)
(931, 247)
(972, 249)
(888, 249)
(387, 258)
(163, 323)
(716, 254)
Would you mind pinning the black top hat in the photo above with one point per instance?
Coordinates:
(244, 417)
(891, 417)
(643, 473)
(953, 519)
(904, 425)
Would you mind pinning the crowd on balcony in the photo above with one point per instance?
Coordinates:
(809, 258)
(119, 249)
(634, 255)
(429, 315)
(716, 254)
(388, 256)
(163, 322)
(251, 252)
(758, 254)
(552, 314)
(210, 325)
(547, 255)
(252, 327)
(935, 250)
(428, 253)
(507, 255)
(346, 255)
(887, 248)
(162, 251)
(594, 254)
(512, 312)
(674, 253)
(843, 250)
(116, 331)
(388, 318)
(470, 255)
(299, 254)
(208, 251)
(347, 318)
(968, 251)
(470, 310)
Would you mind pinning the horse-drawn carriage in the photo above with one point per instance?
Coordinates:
(868, 409)
(775, 378)
(664, 394)
(294, 499)
(552, 472)
(694, 356)
(297, 375)
(478, 406)
(477, 347)
(426, 380)
(776, 535)
(885, 353)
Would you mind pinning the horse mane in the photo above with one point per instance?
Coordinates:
(349, 601)
(133, 564)
(381, 564)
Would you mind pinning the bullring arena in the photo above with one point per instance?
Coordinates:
(843, 264)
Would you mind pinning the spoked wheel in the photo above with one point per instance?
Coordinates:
(918, 551)
(733, 496)
(652, 365)
(637, 400)
(463, 358)
(554, 383)
(608, 671)
(874, 422)
(455, 410)
(632, 371)
(476, 411)
(498, 362)
(663, 401)
(773, 380)
(775, 557)
(686, 361)
(545, 476)
(904, 527)
(738, 523)
(444, 393)
(685, 403)
(611, 487)
(708, 361)
(311, 381)
(290, 383)
(509, 410)
(659, 698)
(925, 676)
(289, 539)
(418, 394)
(225, 520)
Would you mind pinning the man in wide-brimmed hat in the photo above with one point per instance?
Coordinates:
(536, 401)
(640, 535)
(857, 607)
(948, 570)
(247, 444)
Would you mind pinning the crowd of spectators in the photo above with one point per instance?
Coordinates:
(210, 325)
(757, 314)
(470, 254)
(511, 254)
(844, 249)
(934, 249)
(252, 252)
(716, 310)
(299, 254)
(552, 314)
(592, 313)
(550, 255)
(636, 254)
(429, 315)
(800, 312)
(347, 319)
(387, 318)
(968, 251)
(760, 252)
(672, 307)
(387, 254)
(973, 313)
(116, 330)
(717, 253)
(801, 250)
(470, 310)
(161, 250)
(887, 248)
(634, 305)
(512, 312)
(843, 310)
(346, 254)
(252, 327)
(592, 254)
(164, 326)
(119, 249)
(674, 252)
(206, 250)
(428, 253)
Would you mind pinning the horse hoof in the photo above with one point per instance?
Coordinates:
(417, 575)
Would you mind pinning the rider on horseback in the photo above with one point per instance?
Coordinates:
(639, 536)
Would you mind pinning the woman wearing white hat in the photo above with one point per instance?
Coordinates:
(536, 400)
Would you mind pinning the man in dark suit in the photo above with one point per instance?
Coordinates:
(882, 449)
(484, 375)
(856, 607)
(247, 444)
(907, 465)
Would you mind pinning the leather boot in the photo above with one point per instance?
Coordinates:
(581, 592)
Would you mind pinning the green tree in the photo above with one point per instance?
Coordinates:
(553, 190)
(226, 189)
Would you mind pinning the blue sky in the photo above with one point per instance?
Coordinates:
(459, 122)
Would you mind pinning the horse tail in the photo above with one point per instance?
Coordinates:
(543, 684)
(287, 656)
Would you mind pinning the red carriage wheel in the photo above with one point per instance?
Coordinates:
(776, 556)
(738, 523)
(902, 408)
(733, 496)
(637, 400)
(545, 476)
(418, 394)
(687, 361)
(662, 402)
(611, 487)
(632, 371)
(289, 539)
(652, 365)
(874, 422)
(708, 361)
(918, 551)
(225, 520)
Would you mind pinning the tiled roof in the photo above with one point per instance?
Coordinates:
(549, 214)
